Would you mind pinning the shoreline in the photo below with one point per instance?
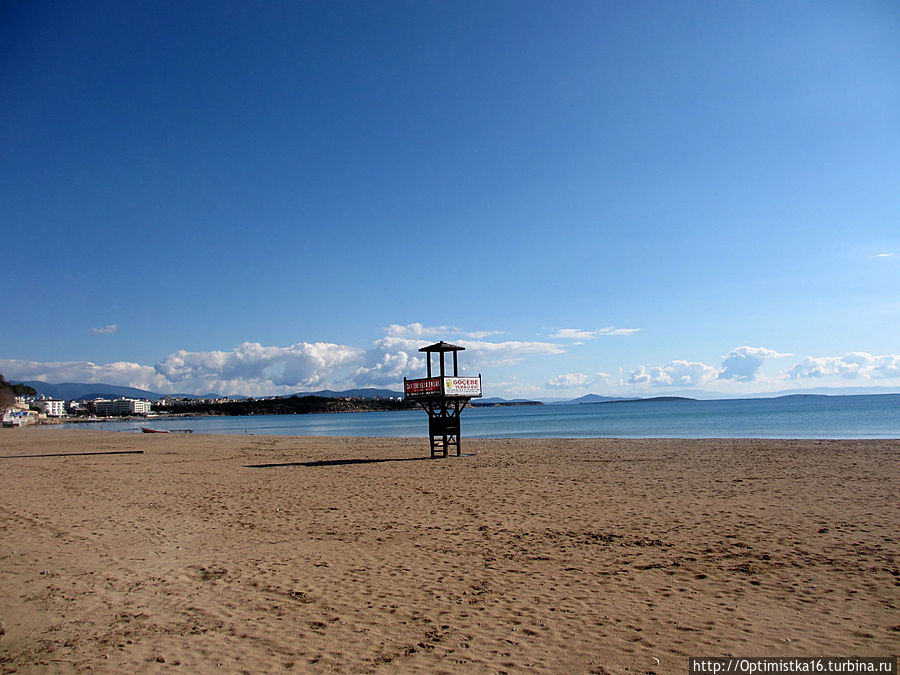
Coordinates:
(315, 554)
(848, 418)
(471, 439)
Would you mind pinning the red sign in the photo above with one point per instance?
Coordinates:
(425, 387)
(461, 387)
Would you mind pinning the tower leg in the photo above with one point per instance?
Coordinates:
(458, 424)
(444, 425)
(445, 418)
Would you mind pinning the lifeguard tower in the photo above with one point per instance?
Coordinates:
(443, 398)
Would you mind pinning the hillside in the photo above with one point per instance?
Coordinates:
(291, 405)
(73, 391)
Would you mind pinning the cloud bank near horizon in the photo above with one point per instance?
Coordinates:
(254, 369)
(742, 365)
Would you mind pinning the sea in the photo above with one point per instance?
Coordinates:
(800, 416)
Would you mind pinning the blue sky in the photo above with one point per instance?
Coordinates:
(605, 197)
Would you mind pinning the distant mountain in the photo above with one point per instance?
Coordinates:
(77, 391)
(704, 395)
(820, 391)
(495, 401)
(834, 391)
(595, 398)
(74, 391)
(655, 399)
(354, 393)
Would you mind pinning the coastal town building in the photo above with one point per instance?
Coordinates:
(120, 406)
(77, 408)
(173, 401)
(20, 414)
(16, 417)
(51, 406)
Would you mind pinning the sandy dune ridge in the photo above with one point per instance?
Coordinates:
(256, 554)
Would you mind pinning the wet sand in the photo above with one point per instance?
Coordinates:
(256, 554)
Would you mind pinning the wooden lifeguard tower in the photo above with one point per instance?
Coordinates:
(443, 398)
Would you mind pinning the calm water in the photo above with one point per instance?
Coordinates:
(790, 417)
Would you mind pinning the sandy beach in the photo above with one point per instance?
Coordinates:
(257, 554)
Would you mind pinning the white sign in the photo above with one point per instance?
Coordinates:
(462, 386)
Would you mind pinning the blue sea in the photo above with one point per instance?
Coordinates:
(875, 416)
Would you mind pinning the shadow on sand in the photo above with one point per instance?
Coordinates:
(345, 462)
(76, 454)
(336, 462)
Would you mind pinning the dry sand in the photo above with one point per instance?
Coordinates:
(546, 555)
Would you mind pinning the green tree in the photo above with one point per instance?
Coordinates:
(7, 395)
(24, 390)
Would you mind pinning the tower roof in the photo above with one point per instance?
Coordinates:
(441, 347)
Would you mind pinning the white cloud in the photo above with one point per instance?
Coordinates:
(568, 380)
(572, 334)
(396, 356)
(105, 330)
(514, 388)
(392, 359)
(481, 354)
(579, 334)
(883, 255)
(852, 366)
(481, 334)
(743, 363)
(281, 369)
(417, 330)
(121, 373)
(675, 373)
(253, 369)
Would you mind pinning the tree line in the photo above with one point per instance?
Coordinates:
(8, 393)
(291, 405)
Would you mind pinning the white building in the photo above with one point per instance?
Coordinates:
(141, 407)
(120, 406)
(51, 406)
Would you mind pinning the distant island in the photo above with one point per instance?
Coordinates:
(354, 400)
(501, 403)
(305, 404)
(643, 400)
